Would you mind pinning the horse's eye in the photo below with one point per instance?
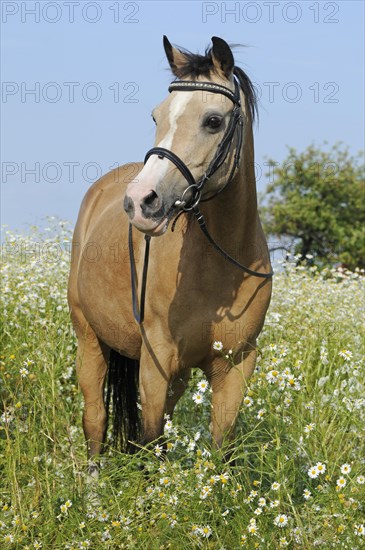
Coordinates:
(213, 122)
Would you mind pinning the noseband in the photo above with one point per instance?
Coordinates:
(195, 188)
(186, 204)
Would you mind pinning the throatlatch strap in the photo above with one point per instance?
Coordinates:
(138, 312)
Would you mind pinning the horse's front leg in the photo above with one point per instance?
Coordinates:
(229, 384)
(154, 380)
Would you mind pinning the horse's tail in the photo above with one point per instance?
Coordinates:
(122, 399)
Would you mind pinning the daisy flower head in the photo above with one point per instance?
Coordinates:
(321, 467)
(275, 486)
(168, 426)
(252, 527)
(158, 450)
(345, 469)
(198, 398)
(281, 520)
(360, 479)
(205, 492)
(217, 346)
(309, 427)
(313, 472)
(206, 531)
(248, 402)
(345, 354)
(341, 482)
(307, 494)
(202, 386)
(360, 530)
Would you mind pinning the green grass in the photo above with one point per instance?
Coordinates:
(304, 406)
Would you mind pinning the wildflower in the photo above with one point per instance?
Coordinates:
(224, 478)
(258, 511)
(341, 482)
(262, 502)
(307, 494)
(68, 503)
(309, 427)
(116, 523)
(202, 386)
(275, 486)
(252, 495)
(321, 467)
(274, 504)
(248, 402)
(345, 469)
(360, 530)
(205, 492)
(272, 376)
(198, 398)
(260, 414)
(37, 544)
(345, 354)
(103, 516)
(8, 538)
(218, 346)
(360, 480)
(24, 372)
(313, 472)
(82, 525)
(168, 426)
(158, 450)
(283, 542)
(164, 481)
(252, 527)
(205, 531)
(281, 520)
(243, 540)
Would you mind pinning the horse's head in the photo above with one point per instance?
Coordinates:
(196, 123)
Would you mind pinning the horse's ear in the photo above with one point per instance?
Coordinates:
(175, 57)
(222, 57)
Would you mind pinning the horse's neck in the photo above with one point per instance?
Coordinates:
(232, 216)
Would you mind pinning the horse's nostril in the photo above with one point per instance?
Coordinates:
(128, 206)
(151, 199)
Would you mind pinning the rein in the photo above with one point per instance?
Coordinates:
(195, 188)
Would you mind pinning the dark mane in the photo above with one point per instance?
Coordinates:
(202, 65)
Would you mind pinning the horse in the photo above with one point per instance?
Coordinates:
(148, 304)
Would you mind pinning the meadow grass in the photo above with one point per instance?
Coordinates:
(298, 480)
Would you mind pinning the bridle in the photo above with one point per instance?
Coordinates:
(195, 188)
(235, 124)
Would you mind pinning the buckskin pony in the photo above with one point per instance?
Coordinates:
(150, 311)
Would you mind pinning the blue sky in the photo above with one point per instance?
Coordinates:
(97, 69)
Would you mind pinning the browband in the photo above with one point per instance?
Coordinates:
(184, 86)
